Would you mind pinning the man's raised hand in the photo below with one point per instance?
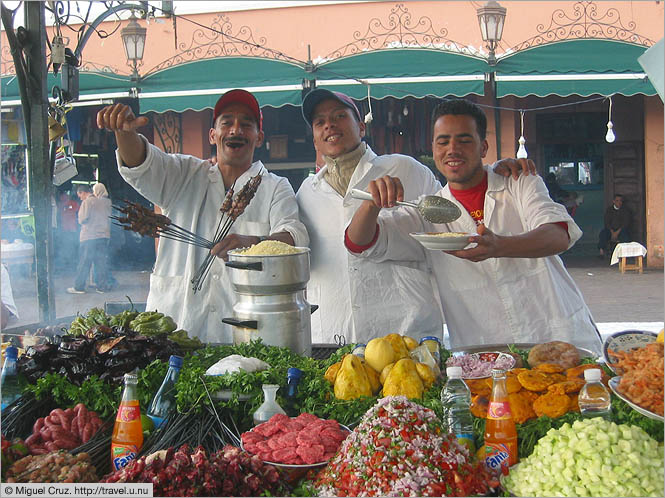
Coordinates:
(119, 117)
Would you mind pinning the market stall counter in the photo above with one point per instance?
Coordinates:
(387, 395)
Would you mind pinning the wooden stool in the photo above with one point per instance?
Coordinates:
(636, 265)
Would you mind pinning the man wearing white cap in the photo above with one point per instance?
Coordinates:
(190, 191)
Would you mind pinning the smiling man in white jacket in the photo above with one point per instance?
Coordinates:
(509, 286)
(358, 298)
(190, 191)
(344, 286)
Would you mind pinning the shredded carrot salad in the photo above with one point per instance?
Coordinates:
(642, 375)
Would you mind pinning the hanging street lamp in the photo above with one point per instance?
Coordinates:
(491, 17)
(133, 38)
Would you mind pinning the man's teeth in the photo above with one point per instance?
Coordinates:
(333, 138)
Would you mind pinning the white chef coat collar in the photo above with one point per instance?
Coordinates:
(216, 176)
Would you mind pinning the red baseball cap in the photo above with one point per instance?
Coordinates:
(238, 96)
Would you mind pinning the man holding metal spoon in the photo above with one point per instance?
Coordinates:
(345, 286)
(508, 285)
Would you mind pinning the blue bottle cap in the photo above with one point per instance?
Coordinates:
(11, 353)
(294, 373)
(175, 362)
(429, 338)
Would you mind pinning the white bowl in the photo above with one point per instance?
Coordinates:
(626, 341)
(443, 241)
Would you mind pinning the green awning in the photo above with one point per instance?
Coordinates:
(92, 85)
(574, 67)
(404, 72)
(197, 85)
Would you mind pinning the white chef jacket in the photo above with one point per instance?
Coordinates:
(499, 300)
(190, 191)
(358, 298)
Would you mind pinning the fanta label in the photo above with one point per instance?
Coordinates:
(122, 454)
(497, 457)
(127, 413)
(498, 410)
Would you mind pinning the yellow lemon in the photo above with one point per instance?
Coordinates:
(660, 335)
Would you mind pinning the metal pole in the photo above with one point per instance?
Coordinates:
(39, 166)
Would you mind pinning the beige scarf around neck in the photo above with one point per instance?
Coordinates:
(340, 170)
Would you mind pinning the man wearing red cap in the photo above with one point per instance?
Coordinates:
(190, 191)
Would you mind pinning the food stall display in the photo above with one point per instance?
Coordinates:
(385, 437)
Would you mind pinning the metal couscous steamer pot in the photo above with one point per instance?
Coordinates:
(270, 299)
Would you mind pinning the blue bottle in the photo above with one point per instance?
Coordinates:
(293, 376)
(164, 401)
(9, 382)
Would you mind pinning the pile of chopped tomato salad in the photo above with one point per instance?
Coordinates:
(401, 449)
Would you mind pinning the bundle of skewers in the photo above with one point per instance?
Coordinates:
(231, 209)
(140, 219)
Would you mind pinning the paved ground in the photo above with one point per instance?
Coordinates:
(614, 299)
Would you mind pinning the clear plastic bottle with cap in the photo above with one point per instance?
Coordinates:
(9, 382)
(594, 398)
(269, 407)
(164, 401)
(456, 401)
(433, 344)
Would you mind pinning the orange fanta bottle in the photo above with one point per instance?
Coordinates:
(500, 433)
(127, 437)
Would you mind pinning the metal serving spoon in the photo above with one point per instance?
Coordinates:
(433, 208)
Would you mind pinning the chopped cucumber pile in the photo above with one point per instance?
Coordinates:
(593, 457)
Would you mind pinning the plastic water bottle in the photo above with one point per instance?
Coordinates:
(594, 399)
(164, 401)
(9, 383)
(456, 401)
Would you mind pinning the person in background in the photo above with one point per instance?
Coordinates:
(556, 192)
(358, 298)
(67, 234)
(508, 286)
(618, 219)
(104, 283)
(9, 310)
(190, 191)
(94, 238)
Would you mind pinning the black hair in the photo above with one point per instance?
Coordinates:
(83, 188)
(617, 195)
(461, 107)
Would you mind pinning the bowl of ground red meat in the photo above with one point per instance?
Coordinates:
(295, 444)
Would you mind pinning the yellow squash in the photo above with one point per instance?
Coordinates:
(403, 380)
(351, 381)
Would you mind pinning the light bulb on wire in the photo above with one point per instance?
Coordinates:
(609, 137)
(521, 151)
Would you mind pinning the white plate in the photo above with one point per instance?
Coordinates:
(452, 241)
(626, 341)
(614, 385)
